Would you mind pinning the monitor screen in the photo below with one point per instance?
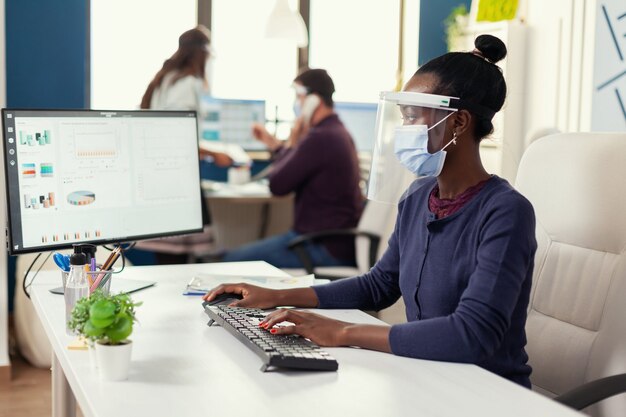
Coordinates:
(77, 176)
(230, 121)
(360, 120)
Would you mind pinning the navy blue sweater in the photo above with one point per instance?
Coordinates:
(465, 280)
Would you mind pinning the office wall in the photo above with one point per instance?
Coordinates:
(45, 48)
(432, 36)
(573, 61)
(47, 55)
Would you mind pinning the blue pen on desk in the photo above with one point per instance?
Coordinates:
(61, 261)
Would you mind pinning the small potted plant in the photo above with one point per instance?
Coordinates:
(106, 322)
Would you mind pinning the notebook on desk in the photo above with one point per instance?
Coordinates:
(201, 283)
(119, 285)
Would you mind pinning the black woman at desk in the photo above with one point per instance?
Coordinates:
(319, 164)
(462, 251)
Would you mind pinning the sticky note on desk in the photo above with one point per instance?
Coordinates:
(78, 344)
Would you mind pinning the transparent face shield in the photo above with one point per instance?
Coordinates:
(410, 142)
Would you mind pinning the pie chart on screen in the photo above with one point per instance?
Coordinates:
(81, 198)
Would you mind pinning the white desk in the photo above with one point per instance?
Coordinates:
(180, 367)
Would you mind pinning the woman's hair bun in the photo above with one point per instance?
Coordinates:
(492, 48)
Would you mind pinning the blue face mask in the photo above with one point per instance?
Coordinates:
(297, 109)
(411, 149)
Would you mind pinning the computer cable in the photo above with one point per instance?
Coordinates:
(25, 286)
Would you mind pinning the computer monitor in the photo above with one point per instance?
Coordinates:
(230, 121)
(360, 120)
(78, 176)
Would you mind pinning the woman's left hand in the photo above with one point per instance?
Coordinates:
(317, 328)
(220, 159)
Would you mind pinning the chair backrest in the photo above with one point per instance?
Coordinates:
(378, 218)
(576, 325)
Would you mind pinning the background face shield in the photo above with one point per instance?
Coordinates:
(389, 179)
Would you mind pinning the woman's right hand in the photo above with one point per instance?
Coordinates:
(253, 296)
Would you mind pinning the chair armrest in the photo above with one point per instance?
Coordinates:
(298, 244)
(593, 392)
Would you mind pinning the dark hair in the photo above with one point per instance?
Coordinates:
(189, 59)
(474, 78)
(319, 82)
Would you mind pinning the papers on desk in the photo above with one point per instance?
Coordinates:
(201, 283)
(234, 151)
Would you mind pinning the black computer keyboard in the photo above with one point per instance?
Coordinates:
(281, 351)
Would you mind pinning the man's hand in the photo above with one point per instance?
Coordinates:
(298, 131)
(262, 135)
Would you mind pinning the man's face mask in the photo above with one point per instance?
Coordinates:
(411, 149)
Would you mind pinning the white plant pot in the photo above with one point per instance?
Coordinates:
(114, 360)
(93, 360)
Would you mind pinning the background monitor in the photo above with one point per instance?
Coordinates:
(230, 121)
(360, 120)
(78, 176)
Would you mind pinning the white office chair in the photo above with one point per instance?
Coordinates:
(576, 324)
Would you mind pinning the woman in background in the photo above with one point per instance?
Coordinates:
(178, 86)
(182, 80)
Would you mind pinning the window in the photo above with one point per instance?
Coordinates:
(129, 42)
(357, 44)
(246, 64)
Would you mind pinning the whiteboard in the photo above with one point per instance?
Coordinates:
(609, 74)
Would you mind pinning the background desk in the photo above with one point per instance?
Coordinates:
(242, 214)
(180, 367)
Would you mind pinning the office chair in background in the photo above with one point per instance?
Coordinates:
(576, 326)
(371, 236)
(376, 225)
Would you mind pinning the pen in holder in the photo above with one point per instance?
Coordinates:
(103, 278)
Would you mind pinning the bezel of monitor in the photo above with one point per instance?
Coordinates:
(67, 245)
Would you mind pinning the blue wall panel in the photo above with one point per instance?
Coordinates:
(47, 53)
(432, 35)
(47, 60)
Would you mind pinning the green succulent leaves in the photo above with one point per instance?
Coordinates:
(107, 318)
(102, 309)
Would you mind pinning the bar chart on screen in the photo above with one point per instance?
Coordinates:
(95, 144)
(35, 138)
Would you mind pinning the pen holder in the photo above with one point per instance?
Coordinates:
(92, 276)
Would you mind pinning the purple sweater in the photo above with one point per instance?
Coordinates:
(323, 171)
(465, 280)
